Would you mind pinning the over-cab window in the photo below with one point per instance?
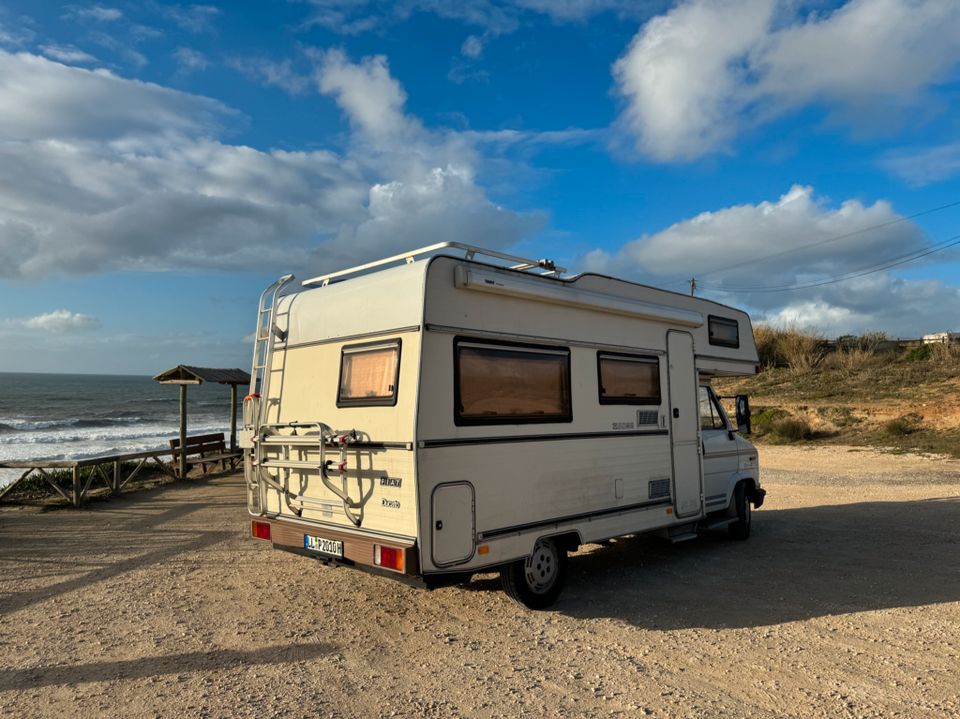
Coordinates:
(628, 379)
(724, 332)
(369, 374)
(498, 383)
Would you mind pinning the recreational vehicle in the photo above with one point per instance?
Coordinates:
(453, 411)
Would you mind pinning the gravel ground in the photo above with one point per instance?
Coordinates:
(844, 603)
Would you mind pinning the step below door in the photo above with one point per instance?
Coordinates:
(452, 523)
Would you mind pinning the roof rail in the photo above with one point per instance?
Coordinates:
(522, 263)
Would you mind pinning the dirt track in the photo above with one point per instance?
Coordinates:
(844, 603)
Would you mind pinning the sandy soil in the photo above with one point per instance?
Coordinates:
(844, 603)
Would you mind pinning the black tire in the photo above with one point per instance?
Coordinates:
(741, 504)
(537, 581)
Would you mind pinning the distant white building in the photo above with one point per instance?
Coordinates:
(942, 338)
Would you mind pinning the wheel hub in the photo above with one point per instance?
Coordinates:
(541, 568)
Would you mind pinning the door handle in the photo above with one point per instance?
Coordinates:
(676, 413)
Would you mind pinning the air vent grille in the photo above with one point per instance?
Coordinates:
(647, 416)
(659, 488)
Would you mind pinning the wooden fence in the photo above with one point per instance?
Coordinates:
(108, 469)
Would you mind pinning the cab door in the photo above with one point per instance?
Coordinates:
(721, 456)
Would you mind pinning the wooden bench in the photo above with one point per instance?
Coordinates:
(204, 449)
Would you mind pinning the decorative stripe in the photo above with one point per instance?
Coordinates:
(570, 518)
(349, 338)
(512, 439)
(565, 341)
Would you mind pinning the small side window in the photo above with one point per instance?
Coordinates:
(724, 332)
(369, 375)
(710, 416)
(628, 379)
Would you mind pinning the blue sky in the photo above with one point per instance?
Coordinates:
(651, 140)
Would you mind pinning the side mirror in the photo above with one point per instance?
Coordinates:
(743, 413)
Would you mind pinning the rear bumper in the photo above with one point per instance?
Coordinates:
(359, 550)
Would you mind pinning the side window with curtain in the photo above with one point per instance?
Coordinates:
(369, 375)
(628, 379)
(501, 383)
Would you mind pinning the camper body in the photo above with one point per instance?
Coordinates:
(444, 417)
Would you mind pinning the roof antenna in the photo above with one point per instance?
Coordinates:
(693, 286)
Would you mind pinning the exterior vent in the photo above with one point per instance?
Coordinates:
(659, 489)
(647, 416)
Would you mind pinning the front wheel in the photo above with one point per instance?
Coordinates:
(537, 581)
(740, 529)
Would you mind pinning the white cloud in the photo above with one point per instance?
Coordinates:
(189, 59)
(472, 47)
(124, 51)
(67, 54)
(795, 237)
(576, 10)
(102, 173)
(351, 17)
(95, 12)
(798, 225)
(880, 302)
(275, 73)
(432, 194)
(192, 18)
(445, 204)
(47, 100)
(371, 98)
(61, 321)
(925, 166)
(696, 76)
(15, 37)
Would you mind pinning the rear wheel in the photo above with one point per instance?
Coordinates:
(537, 581)
(741, 505)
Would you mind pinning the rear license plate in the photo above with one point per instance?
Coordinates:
(331, 547)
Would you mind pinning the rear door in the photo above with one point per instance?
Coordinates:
(684, 425)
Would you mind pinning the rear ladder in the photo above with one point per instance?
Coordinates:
(267, 331)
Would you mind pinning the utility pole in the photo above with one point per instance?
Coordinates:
(693, 286)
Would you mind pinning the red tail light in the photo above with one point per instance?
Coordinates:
(260, 530)
(388, 557)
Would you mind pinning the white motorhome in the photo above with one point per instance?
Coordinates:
(432, 416)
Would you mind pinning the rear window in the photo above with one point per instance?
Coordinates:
(724, 332)
(369, 374)
(628, 379)
(510, 384)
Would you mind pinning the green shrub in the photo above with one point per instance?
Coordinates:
(903, 425)
(762, 419)
(919, 354)
(791, 429)
(839, 416)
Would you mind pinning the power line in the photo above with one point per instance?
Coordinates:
(862, 272)
(818, 243)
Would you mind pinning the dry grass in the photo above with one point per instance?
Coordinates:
(796, 349)
(858, 391)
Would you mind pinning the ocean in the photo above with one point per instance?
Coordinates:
(73, 416)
